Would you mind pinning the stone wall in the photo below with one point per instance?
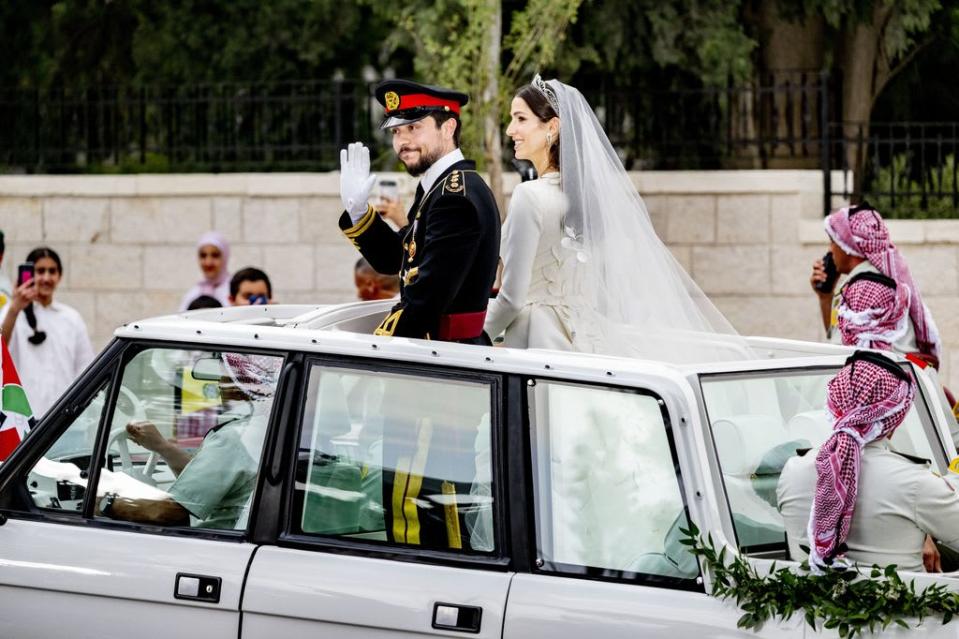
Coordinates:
(747, 237)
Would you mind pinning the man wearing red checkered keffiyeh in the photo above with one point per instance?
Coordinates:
(873, 311)
(867, 402)
(860, 232)
(855, 498)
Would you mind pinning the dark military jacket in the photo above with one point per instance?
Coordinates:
(446, 256)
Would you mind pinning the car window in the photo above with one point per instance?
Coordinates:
(758, 422)
(58, 480)
(184, 443)
(396, 460)
(608, 500)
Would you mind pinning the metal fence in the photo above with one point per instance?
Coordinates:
(208, 127)
(773, 122)
(232, 126)
(783, 120)
(904, 169)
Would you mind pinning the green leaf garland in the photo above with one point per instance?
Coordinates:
(851, 601)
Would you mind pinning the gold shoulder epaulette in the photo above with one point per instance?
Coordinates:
(455, 183)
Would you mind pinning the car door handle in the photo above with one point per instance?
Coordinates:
(197, 587)
(447, 616)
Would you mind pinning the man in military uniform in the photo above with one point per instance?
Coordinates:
(446, 256)
(858, 496)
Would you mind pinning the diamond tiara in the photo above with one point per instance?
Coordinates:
(540, 85)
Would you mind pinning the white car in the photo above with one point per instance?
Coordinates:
(361, 486)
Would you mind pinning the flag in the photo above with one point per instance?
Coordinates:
(16, 418)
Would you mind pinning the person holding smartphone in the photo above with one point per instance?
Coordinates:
(250, 287)
(389, 206)
(859, 244)
(48, 340)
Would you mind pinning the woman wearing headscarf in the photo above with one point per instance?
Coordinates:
(213, 255)
(860, 243)
(855, 499)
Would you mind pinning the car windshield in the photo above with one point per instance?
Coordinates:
(759, 420)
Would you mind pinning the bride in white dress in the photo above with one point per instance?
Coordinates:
(534, 305)
(583, 268)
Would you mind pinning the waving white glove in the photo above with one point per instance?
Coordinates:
(355, 180)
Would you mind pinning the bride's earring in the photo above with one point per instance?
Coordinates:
(549, 139)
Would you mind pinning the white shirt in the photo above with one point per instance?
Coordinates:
(898, 502)
(47, 369)
(434, 172)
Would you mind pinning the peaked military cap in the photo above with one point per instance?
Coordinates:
(406, 102)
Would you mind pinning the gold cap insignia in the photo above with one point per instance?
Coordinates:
(392, 100)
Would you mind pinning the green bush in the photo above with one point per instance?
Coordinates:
(939, 183)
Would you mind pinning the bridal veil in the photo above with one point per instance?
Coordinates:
(646, 304)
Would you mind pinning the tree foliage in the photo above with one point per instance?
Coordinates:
(450, 42)
(86, 42)
(705, 37)
(211, 40)
(489, 47)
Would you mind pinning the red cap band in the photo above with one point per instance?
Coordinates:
(414, 100)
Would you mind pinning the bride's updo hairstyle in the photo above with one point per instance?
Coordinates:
(544, 112)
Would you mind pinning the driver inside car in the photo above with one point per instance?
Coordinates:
(214, 484)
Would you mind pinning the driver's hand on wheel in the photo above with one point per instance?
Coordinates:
(146, 434)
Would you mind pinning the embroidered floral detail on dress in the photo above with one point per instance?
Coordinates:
(574, 242)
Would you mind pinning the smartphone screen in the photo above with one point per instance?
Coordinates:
(389, 189)
(24, 273)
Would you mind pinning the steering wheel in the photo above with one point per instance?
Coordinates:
(120, 437)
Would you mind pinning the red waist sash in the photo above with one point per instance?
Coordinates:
(461, 325)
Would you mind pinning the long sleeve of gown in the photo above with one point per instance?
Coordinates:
(521, 235)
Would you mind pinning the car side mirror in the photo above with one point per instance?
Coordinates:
(208, 369)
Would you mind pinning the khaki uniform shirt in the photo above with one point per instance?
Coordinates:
(905, 344)
(899, 502)
(216, 485)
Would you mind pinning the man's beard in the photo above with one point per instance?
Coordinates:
(427, 159)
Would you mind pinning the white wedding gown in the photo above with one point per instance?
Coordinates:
(583, 268)
(538, 304)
